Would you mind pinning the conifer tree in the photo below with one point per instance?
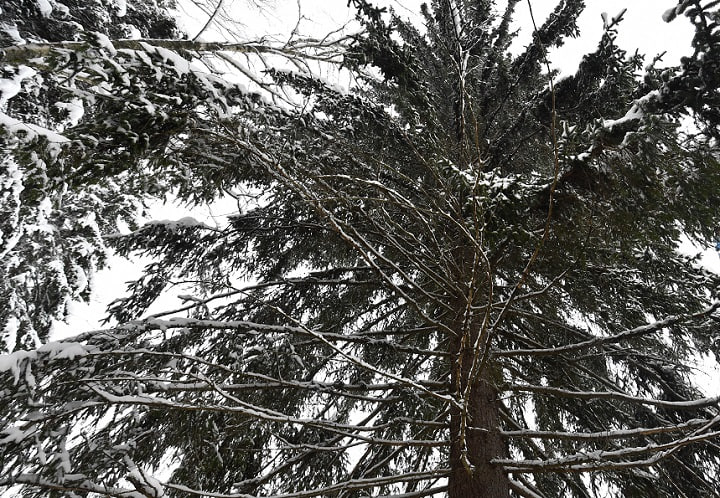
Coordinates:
(459, 279)
(91, 96)
(51, 230)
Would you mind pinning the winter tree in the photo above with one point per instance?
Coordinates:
(86, 124)
(458, 278)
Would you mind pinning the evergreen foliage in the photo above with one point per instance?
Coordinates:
(458, 279)
(57, 117)
(88, 126)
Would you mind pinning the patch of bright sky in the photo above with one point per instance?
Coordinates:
(110, 283)
(642, 29)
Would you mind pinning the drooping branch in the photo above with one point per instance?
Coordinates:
(617, 396)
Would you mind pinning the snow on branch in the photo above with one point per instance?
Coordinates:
(612, 339)
(566, 393)
(24, 54)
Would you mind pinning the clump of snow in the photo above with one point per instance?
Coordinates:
(145, 483)
(10, 331)
(74, 108)
(131, 32)
(634, 113)
(12, 32)
(120, 8)
(42, 457)
(104, 42)
(45, 7)
(14, 434)
(333, 85)
(9, 87)
(14, 361)
(604, 16)
(172, 225)
(149, 106)
(61, 9)
(64, 457)
(607, 22)
(17, 361)
(63, 350)
(181, 66)
(32, 131)
(43, 225)
(81, 282)
(673, 12)
(9, 243)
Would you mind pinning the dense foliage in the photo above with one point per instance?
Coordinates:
(459, 278)
(57, 116)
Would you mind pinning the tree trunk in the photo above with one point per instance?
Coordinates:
(482, 438)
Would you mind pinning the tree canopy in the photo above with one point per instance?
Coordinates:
(458, 278)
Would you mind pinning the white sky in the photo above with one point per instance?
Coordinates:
(643, 27)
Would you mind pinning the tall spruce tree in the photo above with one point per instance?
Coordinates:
(460, 279)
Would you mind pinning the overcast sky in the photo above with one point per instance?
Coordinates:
(643, 27)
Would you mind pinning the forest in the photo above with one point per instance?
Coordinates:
(448, 272)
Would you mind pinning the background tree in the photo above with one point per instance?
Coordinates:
(93, 95)
(461, 280)
(51, 234)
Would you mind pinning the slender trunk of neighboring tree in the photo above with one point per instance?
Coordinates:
(482, 439)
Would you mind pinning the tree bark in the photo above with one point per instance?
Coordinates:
(23, 54)
(483, 441)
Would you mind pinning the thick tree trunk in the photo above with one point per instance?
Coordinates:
(482, 438)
